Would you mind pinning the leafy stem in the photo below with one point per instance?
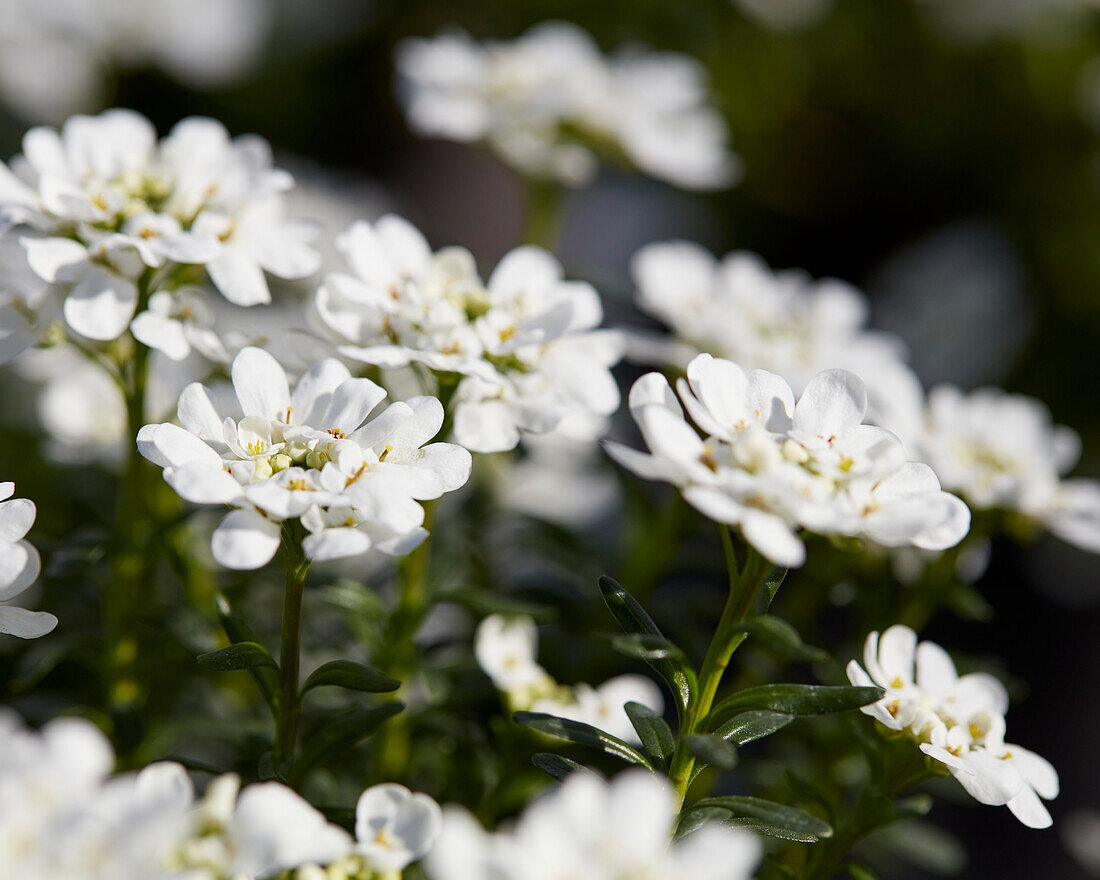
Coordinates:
(287, 704)
(744, 584)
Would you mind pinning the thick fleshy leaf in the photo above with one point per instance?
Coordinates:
(351, 675)
(794, 823)
(752, 725)
(583, 734)
(243, 655)
(653, 733)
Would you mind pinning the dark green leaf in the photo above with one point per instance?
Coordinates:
(692, 821)
(583, 734)
(351, 675)
(643, 646)
(781, 637)
(555, 765)
(633, 619)
(712, 749)
(752, 725)
(768, 817)
(342, 733)
(772, 583)
(796, 699)
(243, 655)
(654, 733)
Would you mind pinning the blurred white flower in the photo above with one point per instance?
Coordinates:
(311, 455)
(394, 827)
(1081, 836)
(773, 467)
(588, 827)
(603, 707)
(1003, 452)
(784, 322)
(958, 721)
(19, 567)
(106, 205)
(524, 346)
(54, 57)
(550, 104)
(507, 651)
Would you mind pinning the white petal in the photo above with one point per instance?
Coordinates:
(25, 624)
(198, 414)
(1027, 807)
(16, 519)
(774, 539)
(485, 426)
(337, 543)
(1036, 770)
(834, 402)
(261, 384)
(897, 650)
(101, 304)
(238, 277)
(314, 390)
(20, 565)
(49, 258)
(936, 673)
(245, 540)
(350, 405)
(169, 445)
(202, 484)
(162, 333)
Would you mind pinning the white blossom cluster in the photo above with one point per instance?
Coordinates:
(64, 816)
(507, 651)
(102, 204)
(19, 567)
(524, 347)
(1003, 452)
(312, 455)
(773, 467)
(550, 104)
(590, 828)
(784, 322)
(54, 57)
(958, 721)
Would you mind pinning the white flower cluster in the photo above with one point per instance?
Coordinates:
(102, 204)
(773, 467)
(598, 830)
(507, 651)
(63, 817)
(549, 102)
(1002, 451)
(784, 322)
(525, 344)
(53, 55)
(958, 721)
(310, 455)
(19, 567)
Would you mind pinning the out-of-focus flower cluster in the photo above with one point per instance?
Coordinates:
(551, 104)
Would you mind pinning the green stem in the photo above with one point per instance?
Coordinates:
(290, 647)
(744, 586)
(542, 224)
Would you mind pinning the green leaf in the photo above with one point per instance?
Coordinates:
(772, 583)
(654, 733)
(238, 631)
(555, 765)
(796, 699)
(632, 617)
(583, 734)
(643, 646)
(692, 821)
(748, 726)
(768, 817)
(342, 733)
(242, 655)
(712, 749)
(781, 637)
(351, 675)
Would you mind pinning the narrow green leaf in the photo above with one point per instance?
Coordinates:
(644, 646)
(781, 637)
(351, 675)
(633, 619)
(654, 733)
(243, 655)
(555, 765)
(770, 818)
(583, 734)
(342, 733)
(772, 583)
(693, 820)
(755, 724)
(712, 749)
(796, 699)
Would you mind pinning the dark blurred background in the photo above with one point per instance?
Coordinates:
(944, 161)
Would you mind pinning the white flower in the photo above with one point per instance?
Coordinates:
(958, 721)
(19, 567)
(264, 830)
(772, 467)
(549, 102)
(507, 651)
(394, 827)
(1003, 452)
(524, 344)
(588, 827)
(177, 322)
(26, 308)
(104, 201)
(305, 455)
(603, 707)
(784, 322)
